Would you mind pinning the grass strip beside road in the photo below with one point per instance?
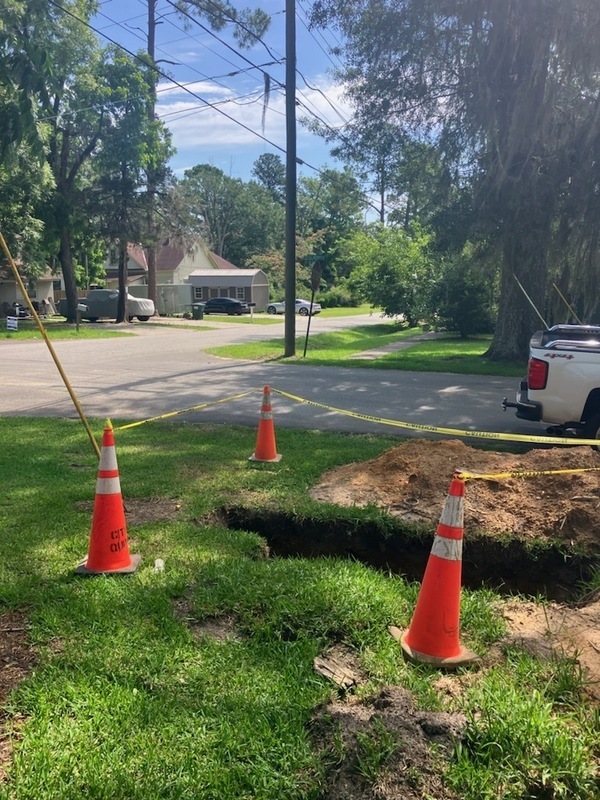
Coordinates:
(336, 349)
(262, 318)
(132, 697)
(61, 330)
(244, 319)
(349, 311)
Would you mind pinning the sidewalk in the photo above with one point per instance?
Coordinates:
(370, 355)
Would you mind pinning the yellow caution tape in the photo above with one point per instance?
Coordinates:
(505, 437)
(459, 474)
(185, 410)
(471, 476)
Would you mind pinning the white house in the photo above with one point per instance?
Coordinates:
(40, 288)
(186, 277)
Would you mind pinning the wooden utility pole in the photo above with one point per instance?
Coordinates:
(151, 185)
(290, 178)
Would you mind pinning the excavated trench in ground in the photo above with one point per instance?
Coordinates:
(507, 565)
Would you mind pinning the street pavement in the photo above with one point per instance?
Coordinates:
(162, 368)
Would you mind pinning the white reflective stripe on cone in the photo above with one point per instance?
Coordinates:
(450, 549)
(453, 511)
(108, 486)
(108, 459)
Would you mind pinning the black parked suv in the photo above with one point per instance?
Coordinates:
(226, 305)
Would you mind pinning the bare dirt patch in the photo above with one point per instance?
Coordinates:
(141, 510)
(221, 627)
(552, 628)
(382, 748)
(411, 481)
(17, 660)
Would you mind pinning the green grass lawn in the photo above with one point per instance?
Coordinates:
(130, 698)
(446, 354)
(348, 311)
(262, 318)
(59, 329)
(245, 319)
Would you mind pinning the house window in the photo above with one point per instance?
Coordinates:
(239, 293)
(198, 293)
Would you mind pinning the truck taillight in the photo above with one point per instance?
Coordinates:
(537, 375)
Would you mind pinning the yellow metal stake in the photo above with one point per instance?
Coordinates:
(38, 321)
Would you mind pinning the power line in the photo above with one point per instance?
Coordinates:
(218, 38)
(329, 30)
(185, 89)
(321, 92)
(161, 49)
(224, 13)
(272, 54)
(188, 112)
(163, 74)
(279, 58)
(319, 45)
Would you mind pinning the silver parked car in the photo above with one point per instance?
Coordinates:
(302, 308)
(102, 304)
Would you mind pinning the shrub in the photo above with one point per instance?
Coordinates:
(461, 299)
(339, 296)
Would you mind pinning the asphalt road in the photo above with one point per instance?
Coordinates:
(161, 369)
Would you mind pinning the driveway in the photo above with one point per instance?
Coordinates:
(162, 368)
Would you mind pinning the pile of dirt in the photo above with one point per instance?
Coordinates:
(411, 481)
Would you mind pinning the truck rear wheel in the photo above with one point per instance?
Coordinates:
(591, 429)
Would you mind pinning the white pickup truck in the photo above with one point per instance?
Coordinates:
(562, 387)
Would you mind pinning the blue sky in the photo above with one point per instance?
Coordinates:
(205, 63)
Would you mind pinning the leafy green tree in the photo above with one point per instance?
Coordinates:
(25, 71)
(236, 219)
(462, 297)
(262, 225)
(131, 145)
(212, 200)
(34, 38)
(333, 204)
(75, 110)
(374, 148)
(25, 186)
(509, 92)
(269, 171)
(273, 264)
(391, 269)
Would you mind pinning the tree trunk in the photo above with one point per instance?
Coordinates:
(152, 290)
(517, 319)
(65, 256)
(122, 304)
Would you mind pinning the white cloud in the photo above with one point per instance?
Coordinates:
(222, 126)
(203, 88)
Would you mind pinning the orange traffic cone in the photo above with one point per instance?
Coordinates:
(109, 549)
(266, 449)
(433, 636)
